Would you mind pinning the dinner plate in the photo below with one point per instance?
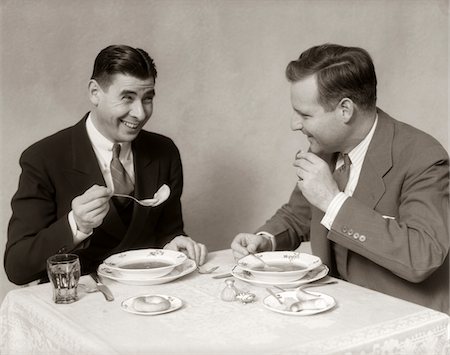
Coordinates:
(186, 268)
(314, 275)
(128, 305)
(289, 297)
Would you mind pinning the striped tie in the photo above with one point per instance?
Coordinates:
(342, 174)
(121, 180)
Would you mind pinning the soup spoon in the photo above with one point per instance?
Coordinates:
(160, 196)
(149, 202)
(267, 267)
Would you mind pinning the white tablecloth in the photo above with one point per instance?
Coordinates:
(363, 322)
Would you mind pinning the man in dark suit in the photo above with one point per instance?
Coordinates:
(64, 202)
(385, 225)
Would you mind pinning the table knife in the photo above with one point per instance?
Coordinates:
(101, 287)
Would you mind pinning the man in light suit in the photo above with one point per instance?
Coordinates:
(386, 228)
(64, 201)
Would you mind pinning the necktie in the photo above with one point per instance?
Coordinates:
(341, 176)
(342, 173)
(121, 180)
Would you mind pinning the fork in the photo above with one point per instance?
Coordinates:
(274, 295)
(207, 271)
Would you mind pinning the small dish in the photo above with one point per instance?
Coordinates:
(145, 263)
(314, 275)
(186, 268)
(293, 265)
(128, 305)
(289, 297)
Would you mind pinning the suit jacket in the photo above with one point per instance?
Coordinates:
(393, 232)
(63, 166)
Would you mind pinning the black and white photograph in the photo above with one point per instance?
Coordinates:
(223, 177)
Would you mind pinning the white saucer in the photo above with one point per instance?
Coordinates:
(128, 305)
(186, 268)
(314, 275)
(289, 297)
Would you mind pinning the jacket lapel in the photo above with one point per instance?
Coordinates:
(86, 172)
(370, 187)
(377, 163)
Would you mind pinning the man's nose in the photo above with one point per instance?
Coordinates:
(296, 122)
(137, 110)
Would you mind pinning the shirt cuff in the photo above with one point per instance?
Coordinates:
(270, 237)
(333, 210)
(78, 236)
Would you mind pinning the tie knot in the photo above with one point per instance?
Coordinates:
(116, 150)
(346, 158)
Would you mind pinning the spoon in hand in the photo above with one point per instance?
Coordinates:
(267, 267)
(160, 196)
(146, 202)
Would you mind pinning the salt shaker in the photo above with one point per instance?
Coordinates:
(230, 292)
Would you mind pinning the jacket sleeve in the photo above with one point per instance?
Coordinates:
(414, 242)
(170, 223)
(35, 232)
(291, 223)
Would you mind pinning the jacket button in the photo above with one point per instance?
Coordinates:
(362, 238)
(344, 229)
(356, 235)
(350, 232)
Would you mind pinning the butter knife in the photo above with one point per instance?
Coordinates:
(101, 287)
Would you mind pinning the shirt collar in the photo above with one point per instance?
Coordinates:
(362, 147)
(103, 144)
(358, 153)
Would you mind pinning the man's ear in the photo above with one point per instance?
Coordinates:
(94, 90)
(345, 109)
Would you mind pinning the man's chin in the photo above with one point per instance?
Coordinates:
(316, 149)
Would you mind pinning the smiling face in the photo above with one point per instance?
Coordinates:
(123, 108)
(326, 131)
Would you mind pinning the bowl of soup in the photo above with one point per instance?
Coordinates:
(144, 263)
(279, 266)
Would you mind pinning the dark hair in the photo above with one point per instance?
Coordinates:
(121, 59)
(341, 72)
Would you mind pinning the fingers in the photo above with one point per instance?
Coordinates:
(245, 243)
(193, 250)
(239, 245)
(203, 253)
(91, 207)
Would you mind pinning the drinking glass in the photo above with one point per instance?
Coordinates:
(64, 272)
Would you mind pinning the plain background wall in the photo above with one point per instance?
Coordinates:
(221, 91)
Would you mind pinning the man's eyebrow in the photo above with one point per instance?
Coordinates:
(128, 92)
(131, 92)
(150, 93)
(301, 112)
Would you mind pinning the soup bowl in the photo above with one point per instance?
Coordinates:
(292, 265)
(144, 263)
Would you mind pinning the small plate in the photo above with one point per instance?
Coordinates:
(314, 275)
(128, 305)
(186, 268)
(289, 297)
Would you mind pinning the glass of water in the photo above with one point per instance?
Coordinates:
(64, 272)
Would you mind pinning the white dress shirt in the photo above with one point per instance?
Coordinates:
(103, 151)
(356, 156)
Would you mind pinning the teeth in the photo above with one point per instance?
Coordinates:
(130, 125)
